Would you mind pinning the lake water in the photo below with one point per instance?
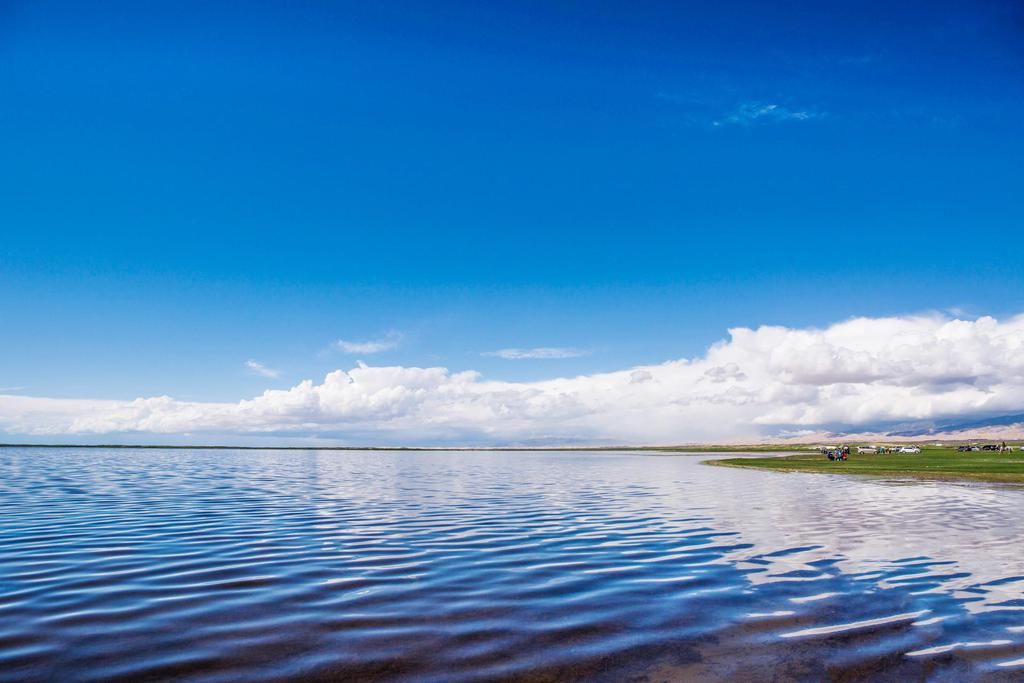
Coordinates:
(444, 566)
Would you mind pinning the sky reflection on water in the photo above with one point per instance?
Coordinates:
(220, 565)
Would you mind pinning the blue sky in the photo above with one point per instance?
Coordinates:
(185, 188)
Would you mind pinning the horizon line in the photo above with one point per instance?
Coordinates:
(676, 447)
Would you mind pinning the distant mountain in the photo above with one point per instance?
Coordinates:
(953, 425)
(994, 428)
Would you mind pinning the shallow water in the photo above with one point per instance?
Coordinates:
(446, 566)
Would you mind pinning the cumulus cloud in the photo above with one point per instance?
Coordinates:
(757, 382)
(260, 369)
(724, 373)
(638, 376)
(543, 352)
(386, 343)
(759, 112)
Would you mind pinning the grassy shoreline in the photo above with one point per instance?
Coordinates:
(938, 463)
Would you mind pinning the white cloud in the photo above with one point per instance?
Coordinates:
(638, 376)
(388, 342)
(543, 352)
(261, 369)
(770, 380)
(724, 373)
(8, 390)
(759, 112)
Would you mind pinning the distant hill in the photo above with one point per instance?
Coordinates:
(958, 426)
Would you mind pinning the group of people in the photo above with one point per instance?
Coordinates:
(841, 453)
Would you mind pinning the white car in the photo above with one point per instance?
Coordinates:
(866, 449)
(909, 449)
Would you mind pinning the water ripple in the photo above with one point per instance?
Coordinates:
(313, 565)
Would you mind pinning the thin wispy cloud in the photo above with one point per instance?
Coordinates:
(262, 370)
(386, 343)
(543, 352)
(8, 390)
(750, 113)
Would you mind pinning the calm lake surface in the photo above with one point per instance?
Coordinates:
(446, 566)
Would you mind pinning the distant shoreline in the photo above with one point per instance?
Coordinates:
(652, 449)
(932, 463)
(688, 448)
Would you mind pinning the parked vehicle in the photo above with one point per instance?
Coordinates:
(964, 449)
(866, 449)
(909, 449)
